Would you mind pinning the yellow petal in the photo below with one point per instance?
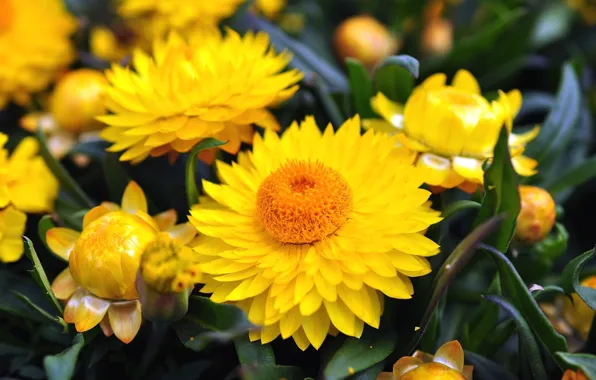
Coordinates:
(64, 285)
(166, 219)
(405, 364)
(469, 168)
(524, 166)
(514, 98)
(125, 319)
(379, 125)
(451, 354)
(290, 322)
(72, 305)
(269, 333)
(341, 317)
(301, 339)
(90, 312)
(311, 303)
(436, 168)
(390, 111)
(434, 81)
(61, 241)
(94, 213)
(105, 326)
(134, 199)
(182, 233)
(316, 327)
(516, 140)
(464, 80)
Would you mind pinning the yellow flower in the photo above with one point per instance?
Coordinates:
(537, 216)
(154, 18)
(12, 228)
(212, 86)
(25, 180)
(447, 364)
(454, 129)
(574, 375)
(34, 46)
(103, 261)
(587, 9)
(578, 314)
(309, 231)
(270, 8)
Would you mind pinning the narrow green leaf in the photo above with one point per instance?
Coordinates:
(501, 194)
(356, 355)
(323, 95)
(39, 275)
(62, 366)
(486, 369)
(574, 177)
(585, 362)
(547, 292)
(571, 276)
(395, 77)
(360, 88)
(516, 290)
(253, 353)
(45, 224)
(500, 335)
(458, 206)
(554, 245)
(526, 338)
(67, 182)
(116, 176)
(192, 194)
(42, 312)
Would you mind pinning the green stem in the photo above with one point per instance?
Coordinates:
(322, 94)
(192, 194)
(67, 182)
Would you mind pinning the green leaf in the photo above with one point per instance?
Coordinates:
(547, 292)
(357, 355)
(501, 194)
(553, 24)
(45, 224)
(55, 319)
(571, 276)
(62, 366)
(39, 275)
(269, 371)
(253, 353)
(116, 177)
(192, 194)
(360, 88)
(395, 77)
(457, 206)
(554, 245)
(585, 362)
(574, 177)
(528, 343)
(518, 293)
(208, 322)
(456, 261)
(67, 182)
(558, 127)
(486, 369)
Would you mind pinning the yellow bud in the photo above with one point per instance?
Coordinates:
(433, 371)
(366, 39)
(537, 215)
(104, 44)
(437, 37)
(77, 99)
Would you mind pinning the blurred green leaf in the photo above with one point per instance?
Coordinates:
(585, 362)
(486, 369)
(553, 24)
(360, 88)
(95, 149)
(527, 341)
(55, 319)
(483, 322)
(554, 245)
(62, 366)
(357, 355)
(208, 322)
(501, 194)
(547, 292)
(395, 77)
(574, 177)
(67, 182)
(253, 353)
(192, 194)
(269, 371)
(570, 279)
(116, 177)
(515, 289)
(457, 206)
(498, 337)
(39, 275)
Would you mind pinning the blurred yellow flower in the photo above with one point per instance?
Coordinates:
(270, 8)
(104, 44)
(103, 261)
(578, 314)
(35, 46)
(211, 86)
(446, 364)
(587, 9)
(454, 129)
(12, 228)
(537, 215)
(307, 237)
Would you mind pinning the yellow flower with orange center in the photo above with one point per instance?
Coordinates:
(577, 313)
(310, 231)
(211, 86)
(35, 46)
(103, 261)
(454, 129)
(447, 364)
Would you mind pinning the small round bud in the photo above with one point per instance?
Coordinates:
(366, 39)
(437, 37)
(77, 99)
(537, 215)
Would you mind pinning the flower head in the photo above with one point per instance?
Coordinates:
(454, 129)
(574, 375)
(577, 313)
(447, 363)
(12, 228)
(270, 8)
(537, 216)
(34, 46)
(103, 261)
(307, 237)
(211, 86)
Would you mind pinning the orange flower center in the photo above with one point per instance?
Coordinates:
(6, 14)
(303, 202)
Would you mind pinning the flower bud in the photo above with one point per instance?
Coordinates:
(366, 39)
(77, 99)
(104, 44)
(574, 375)
(437, 37)
(537, 215)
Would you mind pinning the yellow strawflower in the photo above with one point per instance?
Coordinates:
(12, 228)
(35, 46)
(578, 314)
(454, 129)
(310, 231)
(103, 261)
(212, 85)
(446, 364)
